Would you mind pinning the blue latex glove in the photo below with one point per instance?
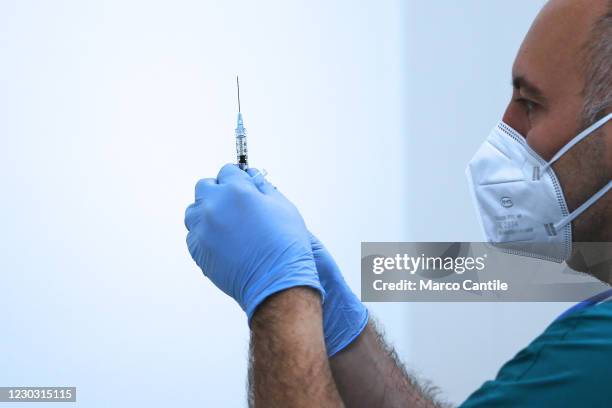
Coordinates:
(248, 239)
(344, 316)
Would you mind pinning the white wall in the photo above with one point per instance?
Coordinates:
(459, 58)
(109, 114)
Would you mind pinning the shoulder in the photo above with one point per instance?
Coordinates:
(565, 366)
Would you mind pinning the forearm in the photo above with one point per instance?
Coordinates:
(368, 374)
(289, 365)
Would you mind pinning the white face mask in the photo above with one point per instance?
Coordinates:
(519, 198)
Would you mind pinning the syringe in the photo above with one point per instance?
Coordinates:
(241, 142)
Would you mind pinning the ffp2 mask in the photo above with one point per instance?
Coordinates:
(518, 196)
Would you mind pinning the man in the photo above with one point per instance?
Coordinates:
(312, 342)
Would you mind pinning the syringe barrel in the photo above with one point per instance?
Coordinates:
(242, 152)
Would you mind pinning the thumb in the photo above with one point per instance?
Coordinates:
(258, 178)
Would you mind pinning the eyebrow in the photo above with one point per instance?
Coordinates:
(521, 83)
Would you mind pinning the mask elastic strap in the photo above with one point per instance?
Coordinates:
(578, 139)
(571, 217)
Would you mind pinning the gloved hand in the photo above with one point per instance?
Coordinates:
(248, 239)
(344, 316)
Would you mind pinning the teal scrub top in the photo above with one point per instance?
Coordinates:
(569, 365)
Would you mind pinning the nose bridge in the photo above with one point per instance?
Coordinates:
(516, 119)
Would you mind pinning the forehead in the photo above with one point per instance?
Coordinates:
(552, 53)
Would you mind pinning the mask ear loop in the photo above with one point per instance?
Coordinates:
(571, 217)
(577, 140)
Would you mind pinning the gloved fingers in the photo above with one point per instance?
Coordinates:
(231, 172)
(203, 186)
(191, 216)
(195, 249)
(258, 178)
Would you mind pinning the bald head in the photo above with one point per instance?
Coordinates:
(563, 82)
(598, 75)
(557, 39)
(550, 72)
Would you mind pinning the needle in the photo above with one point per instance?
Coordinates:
(241, 142)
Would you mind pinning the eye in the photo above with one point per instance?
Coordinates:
(527, 104)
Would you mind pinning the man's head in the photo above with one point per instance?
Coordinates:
(562, 80)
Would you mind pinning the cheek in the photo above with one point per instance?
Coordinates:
(541, 142)
(549, 134)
